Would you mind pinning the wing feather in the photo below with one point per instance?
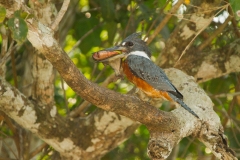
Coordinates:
(152, 74)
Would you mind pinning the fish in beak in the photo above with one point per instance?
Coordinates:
(109, 54)
(112, 57)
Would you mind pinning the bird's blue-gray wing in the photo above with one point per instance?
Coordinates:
(152, 74)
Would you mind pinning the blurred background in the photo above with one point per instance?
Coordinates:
(91, 25)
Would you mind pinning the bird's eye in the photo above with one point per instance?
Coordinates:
(129, 43)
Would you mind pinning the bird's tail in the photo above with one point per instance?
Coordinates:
(180, 101)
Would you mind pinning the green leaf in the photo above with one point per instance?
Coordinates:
(235, 5)
(18, 27)
(17, 13)
(2, 14)
(107, 9)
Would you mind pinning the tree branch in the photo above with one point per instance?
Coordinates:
(164, 21)
(212, 64)
(45, 43)
(60, 14)
(62, 134)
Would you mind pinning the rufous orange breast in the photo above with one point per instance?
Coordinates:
(144, 86)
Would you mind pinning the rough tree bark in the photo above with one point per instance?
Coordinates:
(212, 64)
(166, 128)
(198, 17)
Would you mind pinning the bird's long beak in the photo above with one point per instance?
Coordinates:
(109, 54)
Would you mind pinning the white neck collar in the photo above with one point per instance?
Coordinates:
(139, 53)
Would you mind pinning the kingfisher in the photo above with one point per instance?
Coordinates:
(138, 68)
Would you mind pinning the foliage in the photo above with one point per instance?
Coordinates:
(18, 27)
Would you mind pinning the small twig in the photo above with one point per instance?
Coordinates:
(4, 134)
(8, 53)
(234, 135)
(3, 50)
(37, 150)
(84, 36)
(233, 102)
(64, 95)
(26, 9)
(7, 146)
(12, 127)
(226, 119)
(99, 75)
(14, 131)
(189, 44)
(213, 157)
(164, 21)
(191, 140)
(92, 9)
(46, 150)
(79, 109)
(4, 41)
(129, 20)
(225, 95)
(14, 69)
(8, 122)
(225, 113)
(60, 14)
(3, 60)
(235, 124)
(155, 21)
(93, 71)
(216, 32)
(234, 22)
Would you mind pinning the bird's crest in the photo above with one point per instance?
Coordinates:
(136, 37)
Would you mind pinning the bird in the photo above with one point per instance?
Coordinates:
(141, 71)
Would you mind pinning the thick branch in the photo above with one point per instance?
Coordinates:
(63, 134)
(212, 64)
(41, 37)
